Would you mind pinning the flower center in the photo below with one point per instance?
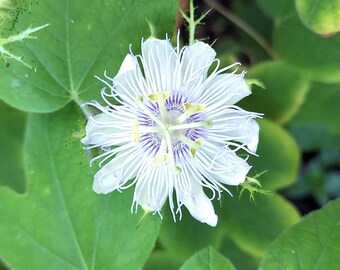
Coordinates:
(170, 128)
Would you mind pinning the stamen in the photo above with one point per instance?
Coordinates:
(194, 145)
(160, 99)
(175, 169)
(162, 156)
(190, 110)
(161, 96)
(139, 102)
(135, 130)
(206, 123)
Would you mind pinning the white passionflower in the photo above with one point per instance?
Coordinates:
(175, 130)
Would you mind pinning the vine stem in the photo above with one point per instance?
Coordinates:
(87, 114)
(79, 102)
(191, 21)
(243, 25)
(192, 24)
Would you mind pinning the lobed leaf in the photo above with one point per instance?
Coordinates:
(81, 41)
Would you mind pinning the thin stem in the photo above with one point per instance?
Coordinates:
(80, 103)
(87, 114)
(243, 25)
(192, 23)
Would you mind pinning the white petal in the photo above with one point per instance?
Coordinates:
(159, 62)
(224, 89)
(153, 187)
(233, 124)
(107, 130)
(196, 60)
(222, 165)
(247, 133)
(130, 63)
(198, 204)
(129, 82)
(116, 173)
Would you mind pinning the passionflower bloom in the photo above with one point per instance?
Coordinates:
(176, 130)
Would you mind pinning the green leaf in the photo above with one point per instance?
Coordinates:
(312, 136)
(162, 260)
(321, 17)
(255, 82)
(314, 56)
(207, 259)
(322, 108)
(60, 223)
(285, 91)
(186, 236)
(313, 243)
(238, 257)
(11, 144)
(278, 155)
(252, 227)
(80, 42)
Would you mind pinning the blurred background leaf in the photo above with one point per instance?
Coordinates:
(317, 131)
(278, 155)
(208, 259)
(253, 227)
(313, 243)
(321, 108)
(240, 258)
(244, 230)
(285, 91)
(314, 56)
(275, 8)
(322, 17)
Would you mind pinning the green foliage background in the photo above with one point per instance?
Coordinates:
(51, 219)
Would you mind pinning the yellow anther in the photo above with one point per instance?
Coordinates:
(208, 123)
(194, 108)
(159, 97)
(161, 159)
(190, 109)
(139, 100)
(162, 156)
(135, 129)
(198, 143)
(176, 170)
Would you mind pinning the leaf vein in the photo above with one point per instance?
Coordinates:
(63, 201)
